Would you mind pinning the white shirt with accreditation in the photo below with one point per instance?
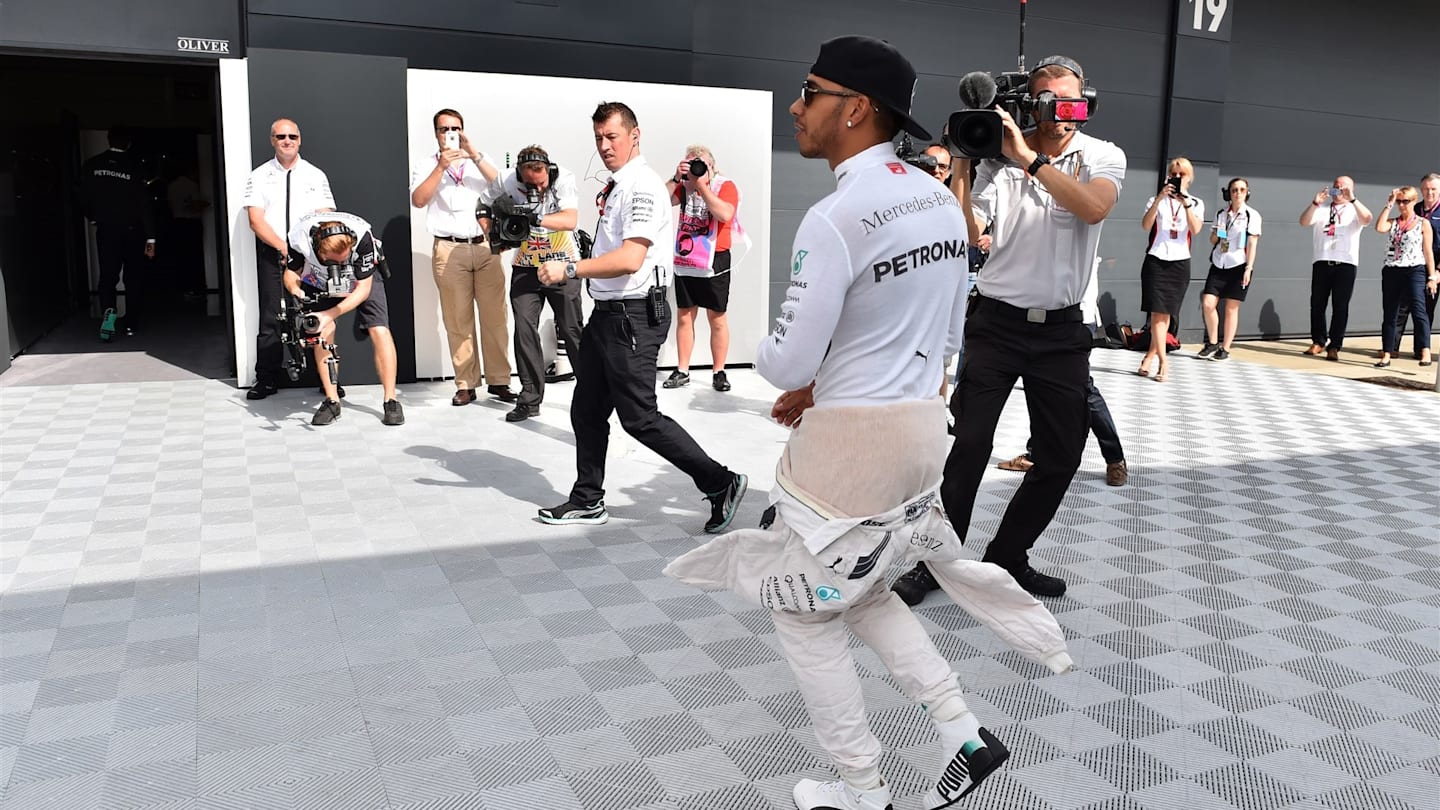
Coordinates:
(1170, 236)
(451, 212)
(1238, 227)
(1335, 233)
(1042, 255)
(878, 281)
(286, 195)
(638, 206)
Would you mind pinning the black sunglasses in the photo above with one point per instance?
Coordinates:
(808, 92)
(1404, 200)
(448, 129)
(287, 136)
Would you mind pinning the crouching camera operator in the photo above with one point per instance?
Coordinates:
(333, 261)
(535, 208)
(1045, 202)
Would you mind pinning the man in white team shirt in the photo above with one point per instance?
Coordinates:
(878, 283)
(632, 264)
(1335, 219)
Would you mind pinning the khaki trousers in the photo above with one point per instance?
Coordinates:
(469, 276)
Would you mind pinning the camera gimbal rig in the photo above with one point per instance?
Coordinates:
(300, 330)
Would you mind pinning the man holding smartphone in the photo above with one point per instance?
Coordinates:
(1336, 219)
(468, 275)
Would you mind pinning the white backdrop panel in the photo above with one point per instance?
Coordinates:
(504, 113)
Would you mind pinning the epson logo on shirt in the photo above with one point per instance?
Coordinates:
(918, 257)
(880, 218)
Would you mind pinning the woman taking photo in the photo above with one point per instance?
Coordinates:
(1233, 241)
(1408, 273)
(1172, 217)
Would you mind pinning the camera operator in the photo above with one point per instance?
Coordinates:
(615, 372)
(554, 210)
(468, 275)
(709, 203)
(332, 263)
(1046, 205)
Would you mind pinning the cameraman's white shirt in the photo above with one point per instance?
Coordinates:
(1042, 255)
(363, 258)
(878, 281)
(544, 245)
(637, 207)
(451, 212)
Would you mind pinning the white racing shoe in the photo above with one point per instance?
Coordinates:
(813, 795)
(969, 760)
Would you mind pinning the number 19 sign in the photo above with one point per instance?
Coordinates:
(1205, 18)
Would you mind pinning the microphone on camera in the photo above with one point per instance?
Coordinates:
(977, 90)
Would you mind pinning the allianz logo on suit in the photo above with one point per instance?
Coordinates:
(197, 45)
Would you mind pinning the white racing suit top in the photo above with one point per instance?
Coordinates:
(813, 559)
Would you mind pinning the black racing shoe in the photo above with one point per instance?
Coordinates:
(914, 584)
(677, 379)
(720, 382)
(568, 512)
(1038, 583)
(394, 414)
(328, 412)
(1221, 355)
(724, 503)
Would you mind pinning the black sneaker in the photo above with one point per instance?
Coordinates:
(328, 412)
(503, 393)
(1221, 355)
(677, 379)
(720, 382)
(1207, 350)
(568, 512)
(394, 414)
(914, 584)
(261, 390)
(522, 412)
(1038, 583)
(724, 503)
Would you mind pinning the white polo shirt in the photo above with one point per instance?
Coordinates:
(1338, 244)
(303, 186)
(544, 245)
(1171, 217)
(878, 280)
(637, 207)
(451, 212)
(1239, 226)
(1042, 255)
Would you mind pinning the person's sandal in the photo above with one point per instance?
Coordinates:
(1020, 463)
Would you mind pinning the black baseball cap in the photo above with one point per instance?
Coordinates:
(872, 67)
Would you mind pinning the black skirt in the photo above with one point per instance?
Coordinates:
(1163, 284)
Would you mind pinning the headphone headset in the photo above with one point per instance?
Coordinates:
(538, 155)
(1225, 192)
(319, 234)
(1092, 98)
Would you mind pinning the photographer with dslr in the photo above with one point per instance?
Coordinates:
(544, 206)
(1046, 204)
(1172, 217)
(709, 203)
(331, 267)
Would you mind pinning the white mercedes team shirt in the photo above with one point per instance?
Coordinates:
(1041, 254)
(878, 282)
(636, 207)
(300, 190)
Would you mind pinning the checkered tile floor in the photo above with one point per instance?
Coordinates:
(207, 603)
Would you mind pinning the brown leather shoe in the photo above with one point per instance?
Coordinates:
(463, 396)
(1021, 463)
(1332, 355)
(1116, 473)
(1315, 348)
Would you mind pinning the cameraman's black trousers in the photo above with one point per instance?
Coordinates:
(527, 299)
(616, 372)
(268, 352)
(1054, 361)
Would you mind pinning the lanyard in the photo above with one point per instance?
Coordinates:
(1429, 212)
(1234, 217)
(1397, 233)
(1175, 207)
(458, 178)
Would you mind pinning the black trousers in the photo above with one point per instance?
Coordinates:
(121, 251)
(527, 299)
(1102, 424)
(1054, 362)
(268, 352)
(1403, 314)
(616, 372)
(1331, 284)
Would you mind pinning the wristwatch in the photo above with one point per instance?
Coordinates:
(1040, 160)
(569, 270)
